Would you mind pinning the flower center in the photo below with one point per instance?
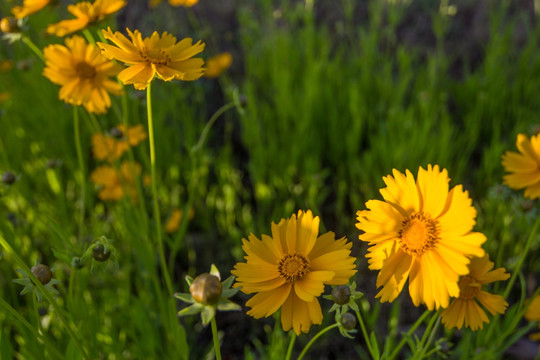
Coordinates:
(468, 288)
(293, 267)
(85, 70)
(418, 234)
(155, 56)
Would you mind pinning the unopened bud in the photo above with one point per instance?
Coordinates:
(9, 25)
(116, 133)
(99, 253)
(206, 289)
(8, 178)
(77, 263)
(348, 321)
(42, 273)
(341, 294)
(242, 100)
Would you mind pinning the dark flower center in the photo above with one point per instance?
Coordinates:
(293, 267)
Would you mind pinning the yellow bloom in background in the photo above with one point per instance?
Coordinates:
(115, 184)
(533, 314)
(216, 65)
(524, 167)
(29, 7)
(173, 223)
(421, 232)
(86, 13)
(4, 96)
(466, 308)
(186, 3)
(83, 73)
(289, 270)
(6, 65)
(106, 147)
(156, 55)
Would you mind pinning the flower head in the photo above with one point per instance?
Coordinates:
(185, 3)
(524, 167)
(86, 13)
(116, 183)
(533, 314)
(466, 308)
(29, 7)
(217, 65)
(289, 270)
(83, 73)
(421, 232)
(157, 55)
(111, 148)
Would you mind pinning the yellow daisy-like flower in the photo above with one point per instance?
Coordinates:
(86, 13)
(106, 147)
(29, 7)
(185, 3)
(116, 183)
(156, 55)
(216, 65)
(466, 308)
(421, 232)
(533, 314)
(83, 73)
(524, 167)
(289, 270)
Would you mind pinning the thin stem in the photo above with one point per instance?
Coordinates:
(154, 190)
(88, 35)
(33, 47)
(68, 325)
(78, 146)
(428, 334)
(364, 333)
(216, 338)
(291, 345)
(423, 348)
(519, 265)
(318, 335)
(209, 125)
(408, 334)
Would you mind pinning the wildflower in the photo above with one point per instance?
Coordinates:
(86, 13)
(218, 64)
(12, 29)
(116, 183)
(156, 55)
(533, 314)
(83, 73)
(207, 295)
(289, 270)
(174, 220)
(29, 7)
(111, 148)
(421, 232)
(9, 25)
(524, 166)
(466, 308)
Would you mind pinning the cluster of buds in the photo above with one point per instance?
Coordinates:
(344, 298)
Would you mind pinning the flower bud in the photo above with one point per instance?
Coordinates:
(116, 133)
(341, 294)
(9, 25)
(42, 273)
(99, 253)
(348, 321)
(8, 178)
(243, 100)
(206, 289)
(77, 263)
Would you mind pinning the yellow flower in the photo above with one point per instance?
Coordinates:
(156, 55)
(6, 65)
(83, 73)
(524, 167)
(421, 232)
(186, 3)
(116, 183)
(4, 96)
(289, 270)
(173, 223)
(86, 13)
(466, 308)
(533, 314)
(218, 64)
(106, 147)
(29, 7)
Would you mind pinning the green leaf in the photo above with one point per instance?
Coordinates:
(229, 292)
(208, 314)
(374, 345)
(227, 305)
(185, 297)
(228, 282)
(191, 310)
(189, 280)
(214, 271)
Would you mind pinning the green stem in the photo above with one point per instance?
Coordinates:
(519, 265)
(408, 334)
(33, 47)
(88, 35)
(209, 125)
(291, 345)
(424, 347)
(78, 146)
(8, 309)
(364, 333)
(68, 325)
(216, 338)
(154, 190)
(318, 335)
